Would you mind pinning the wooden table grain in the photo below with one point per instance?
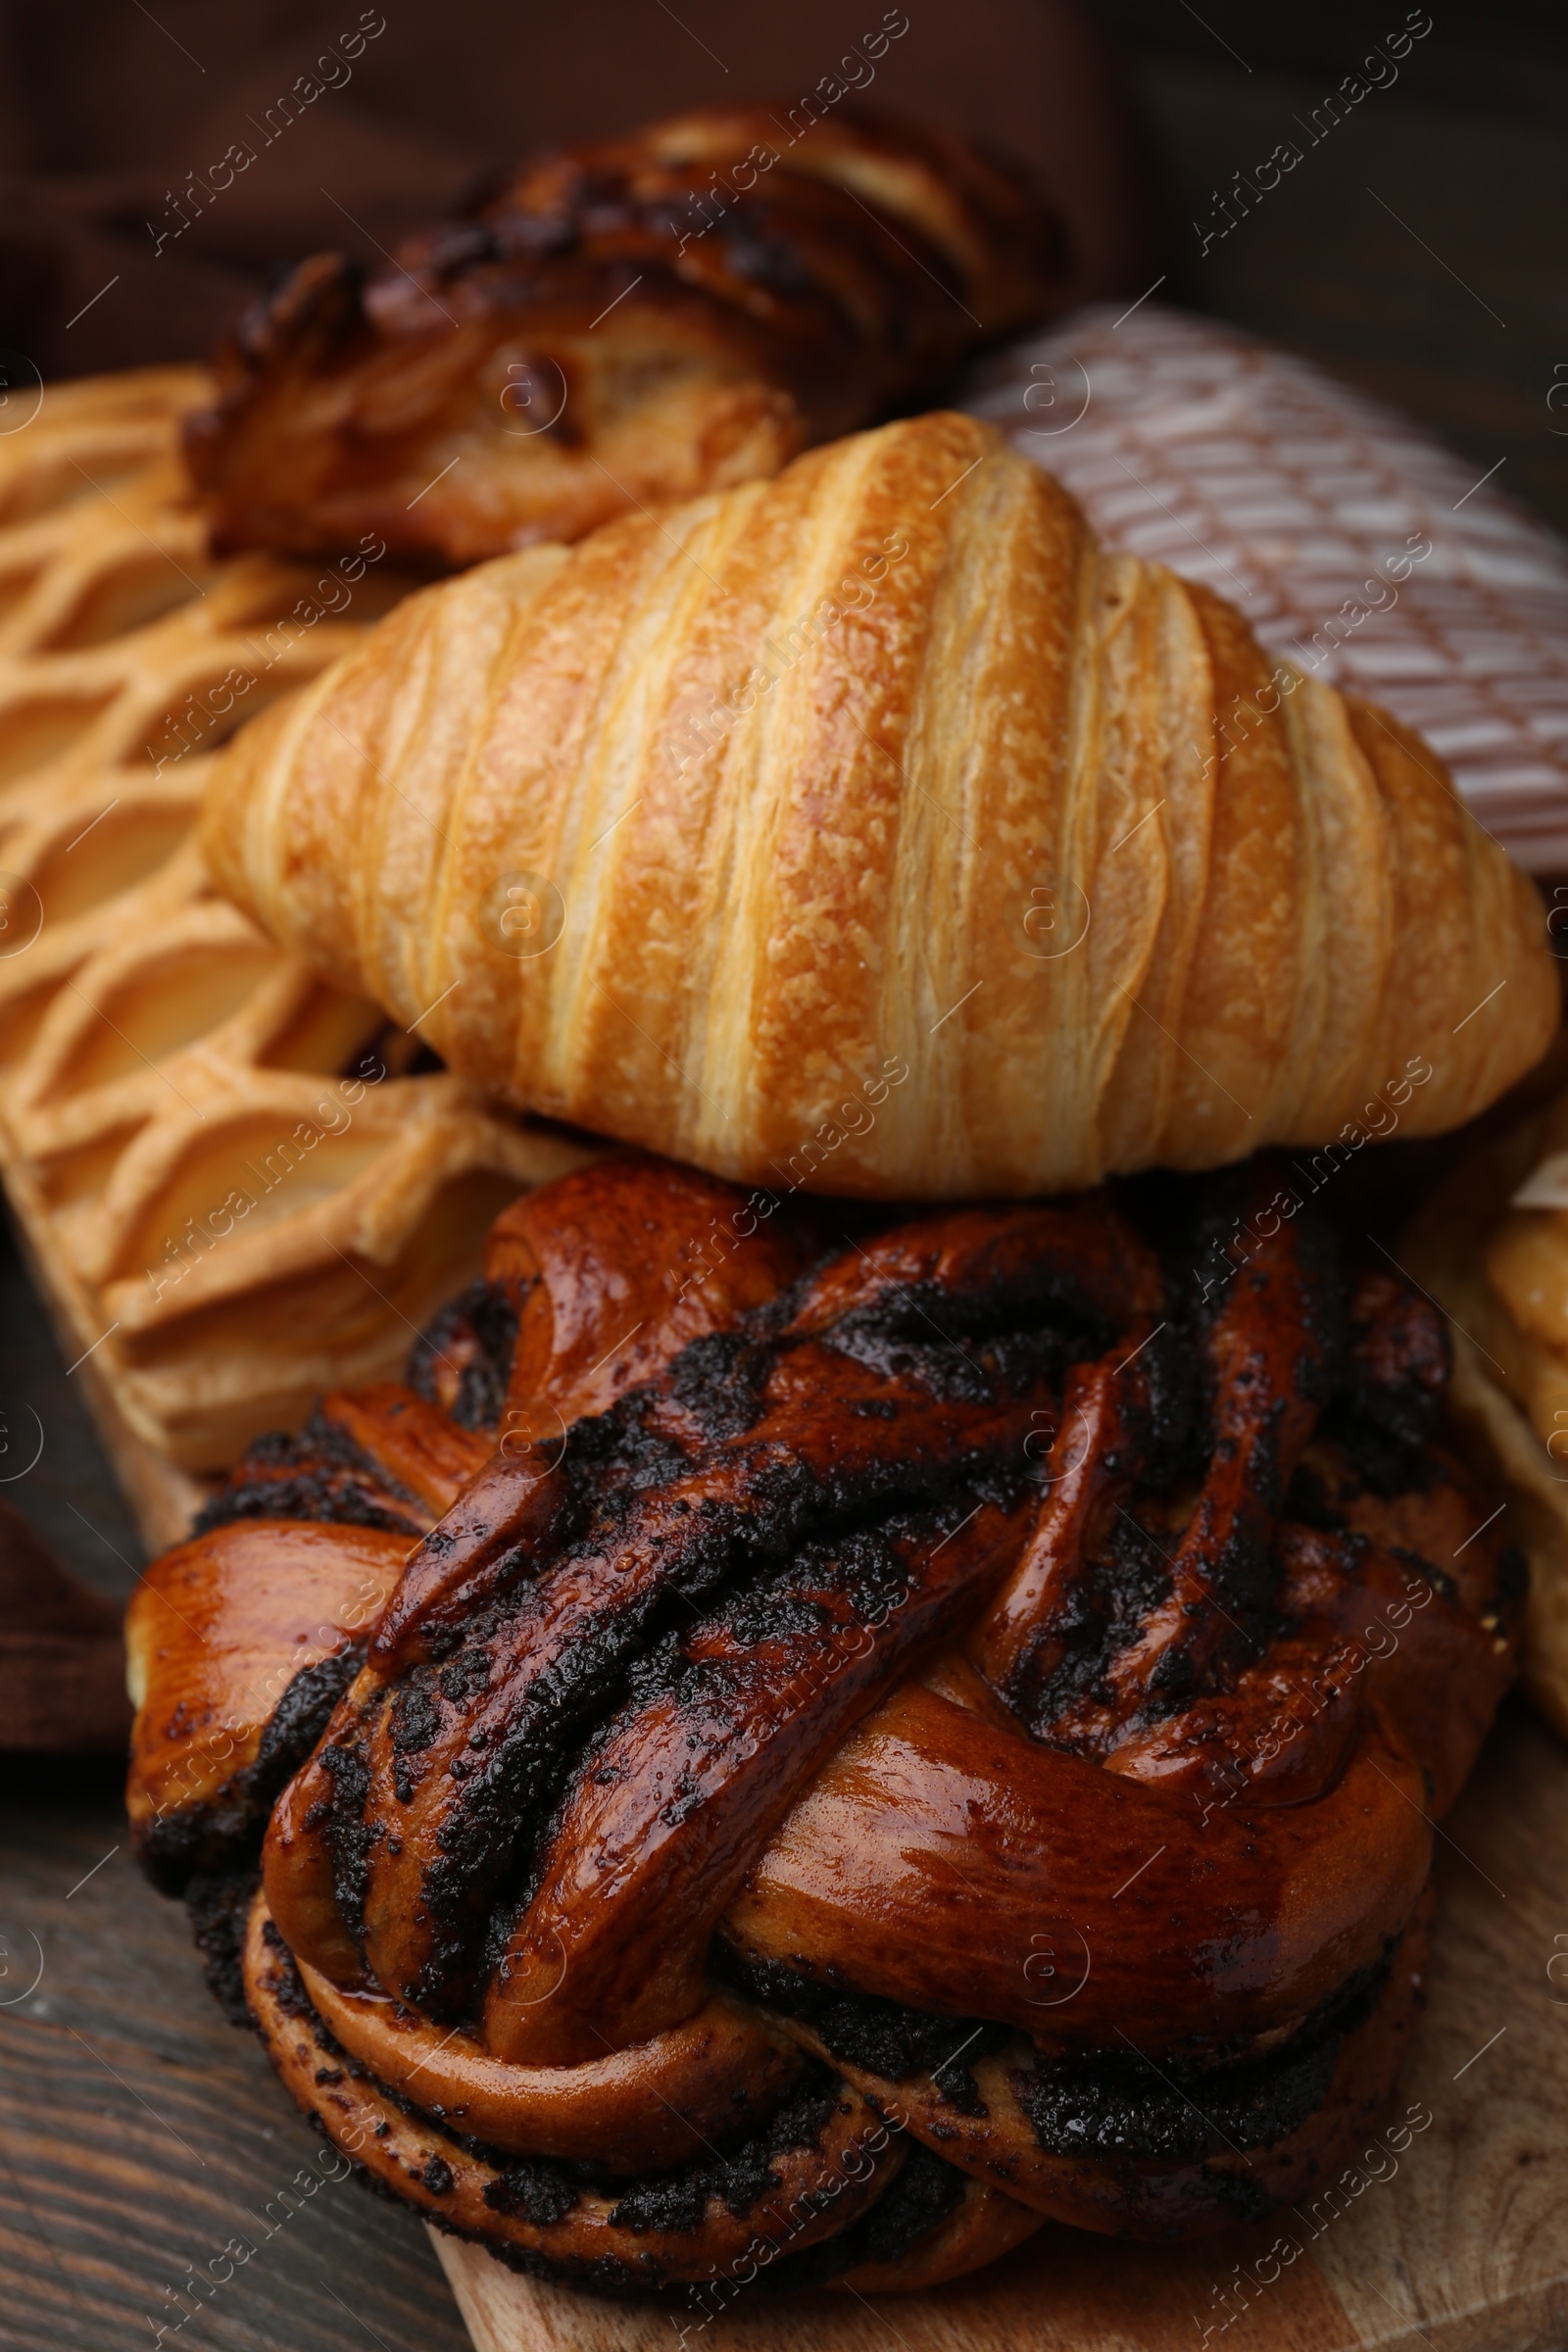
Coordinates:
(153, 2174)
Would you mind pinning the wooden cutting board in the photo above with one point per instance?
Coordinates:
(1458, 2242)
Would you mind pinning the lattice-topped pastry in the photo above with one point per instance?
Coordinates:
(900, 1739)
(1492, 1245)
(236, 1182)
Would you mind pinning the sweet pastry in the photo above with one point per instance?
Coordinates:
(875, 831)
(56, 443)
(237, 1184)
(881, 1738)
(1492, 1243)
(619, 324)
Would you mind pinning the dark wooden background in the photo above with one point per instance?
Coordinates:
(1457, 309)
(138, 2134)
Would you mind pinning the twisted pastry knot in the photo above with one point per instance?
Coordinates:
(891, 1746)
(640, 318)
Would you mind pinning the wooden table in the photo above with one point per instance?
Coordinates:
(140, 2135)
(138, 2132)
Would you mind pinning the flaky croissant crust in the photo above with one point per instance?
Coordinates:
(875, 830)
(895, 1745)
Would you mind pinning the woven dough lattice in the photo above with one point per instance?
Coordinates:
(236, 1185)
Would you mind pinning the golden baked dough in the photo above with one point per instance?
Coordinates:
(622, 324)
(1500, 1271)
(152, 1042)
(876, 831)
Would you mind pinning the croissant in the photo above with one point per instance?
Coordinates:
(875, 831)
(870, 1749)
(619, 324)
